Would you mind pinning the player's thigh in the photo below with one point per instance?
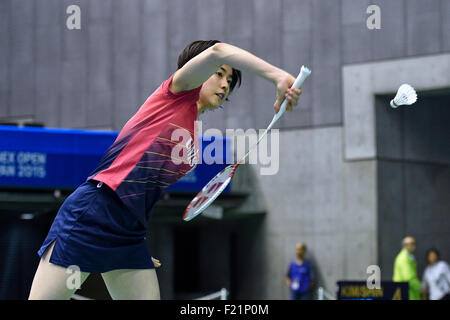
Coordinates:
(53, 282)
(132, 284)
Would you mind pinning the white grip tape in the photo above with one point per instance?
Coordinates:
(304, 73)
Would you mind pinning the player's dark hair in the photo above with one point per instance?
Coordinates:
(435, 251)
(194, 48)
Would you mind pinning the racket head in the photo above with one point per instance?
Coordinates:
(209, 193)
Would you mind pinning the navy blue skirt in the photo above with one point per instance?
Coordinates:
(96, 232)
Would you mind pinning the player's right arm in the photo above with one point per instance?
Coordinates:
(197, 70)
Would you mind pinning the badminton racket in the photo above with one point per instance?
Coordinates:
(216, 185)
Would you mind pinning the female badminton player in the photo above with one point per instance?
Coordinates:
(101, 227)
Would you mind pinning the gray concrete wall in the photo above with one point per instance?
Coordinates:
(326, 192)
(97, 77)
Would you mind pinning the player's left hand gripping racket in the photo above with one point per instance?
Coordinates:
(216, 185)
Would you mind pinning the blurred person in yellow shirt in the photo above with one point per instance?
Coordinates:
(405, 268)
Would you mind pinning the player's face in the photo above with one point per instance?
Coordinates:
(432, 257)
(300, 250)
(410, 245)
(216, 89)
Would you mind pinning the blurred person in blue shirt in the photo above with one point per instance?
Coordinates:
(300, 276)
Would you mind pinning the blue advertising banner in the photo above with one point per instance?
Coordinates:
(63, 158)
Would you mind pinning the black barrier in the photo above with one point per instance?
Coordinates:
(358, 290)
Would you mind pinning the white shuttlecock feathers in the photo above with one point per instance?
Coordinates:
(406, 95)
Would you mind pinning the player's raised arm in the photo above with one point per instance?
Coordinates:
(197, 70)
(201, 67)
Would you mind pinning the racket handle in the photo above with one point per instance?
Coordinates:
(304, 73)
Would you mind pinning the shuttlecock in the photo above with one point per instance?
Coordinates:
(406, 95)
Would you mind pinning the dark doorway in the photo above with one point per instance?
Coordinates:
(186, 262)
(413, 176)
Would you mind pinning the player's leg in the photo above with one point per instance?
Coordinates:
(132, 284)
(51, 281)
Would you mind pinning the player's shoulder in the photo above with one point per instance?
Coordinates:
(173, 88)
